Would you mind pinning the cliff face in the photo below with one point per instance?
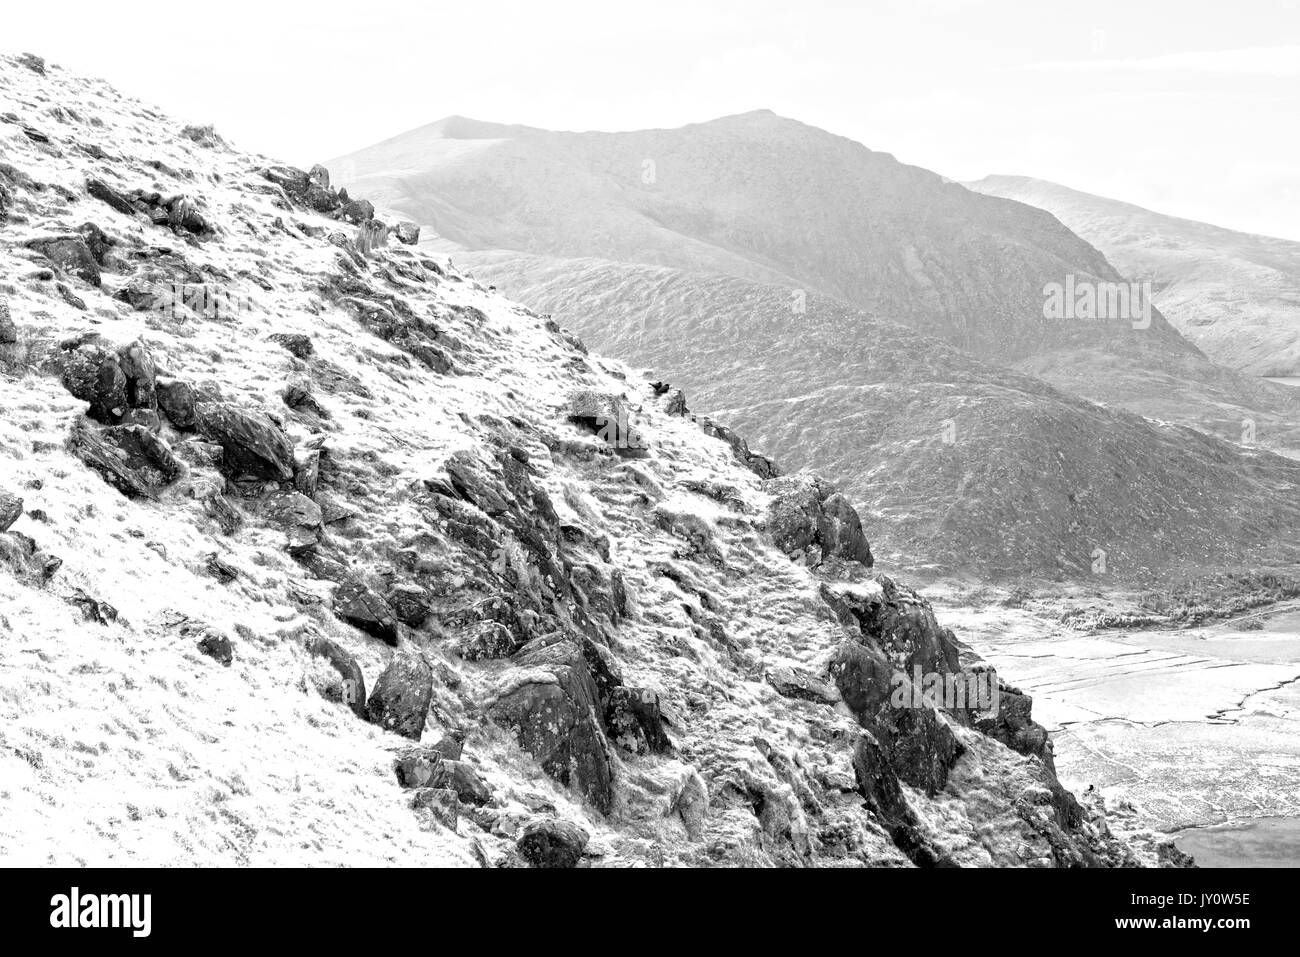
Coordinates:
(323, 553)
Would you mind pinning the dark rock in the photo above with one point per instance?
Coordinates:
(295, 344)
(676, 403)
(402, 695)
(300, 518)
(760, 465)
(1015, 727)
(11, 509)
(112, 197)
(358, 604)
(320, 176)
(417, 767)
(176, 400)
(800, 685)
(410, 603)
(100, 612)
(635, 721)
(352, 681)
(357, 211)
(69, 254)
(94, 374)
(141, 375)
(217, 647)
(442, 803)
(8, 331)
(452, 746)
(222, 571)
(552, 710)
(809, 520)
(550, 843)
(129, 457)
(253, 444)
(609, 418)
(407, 233)
(33, 62)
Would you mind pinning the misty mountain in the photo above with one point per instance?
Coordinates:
(1235, 295)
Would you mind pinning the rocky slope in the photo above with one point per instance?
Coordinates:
(314, 550)
(765, 198)
(1235, 295)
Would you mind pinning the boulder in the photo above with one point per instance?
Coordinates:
(357, 211)
(807, 519)
(217, 647)
(407, 233)
(141, 375)
(253, 445)
(402, 695)
(358, 604)
(177, 401)
(801, 685)
(69, 254)
(93, 374)
(442, 803)
(552, 705)
(11, 509)
(306, 471)
(296, 344)
(410, 603)
(635, 721)
(130, 458)
(352, 681)
(548, 842)
(300, 518)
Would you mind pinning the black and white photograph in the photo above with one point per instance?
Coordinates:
(714, 435)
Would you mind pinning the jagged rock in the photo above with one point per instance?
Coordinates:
(800, 685)
(33, 62)
(106, 194)
(252, 443)
(295, 344)
(8, 331)
(177, 401)
(352, 690)
(879, 786)
(357, 211)
(442, 803)
(551, 703)
(206, 136)
(1015, 727)
(11, 509)
(129, 457)
(417, 767)
(407, 233)
(299, 516)
(402, 695)
(69, 254)
(222, 571)
(358, 604)
(806, 517)
(609, 418)
(676, 403)
(548, 843)
(100, 612)
(452, 746)
(636, 722)
(217, 647)
(320, 176)
(760, 465)
(410, 603)
(94, 374)
(141, 374)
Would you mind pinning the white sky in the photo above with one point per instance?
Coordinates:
(1189, 107)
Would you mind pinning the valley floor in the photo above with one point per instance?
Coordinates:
(1198, 728)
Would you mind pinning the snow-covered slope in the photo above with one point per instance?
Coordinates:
(1236, 295)
(592, 627)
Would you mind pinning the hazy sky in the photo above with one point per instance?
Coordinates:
(1189, 107)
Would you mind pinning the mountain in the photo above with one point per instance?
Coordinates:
(315, 550)
(1235, 295)
(766, 198)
